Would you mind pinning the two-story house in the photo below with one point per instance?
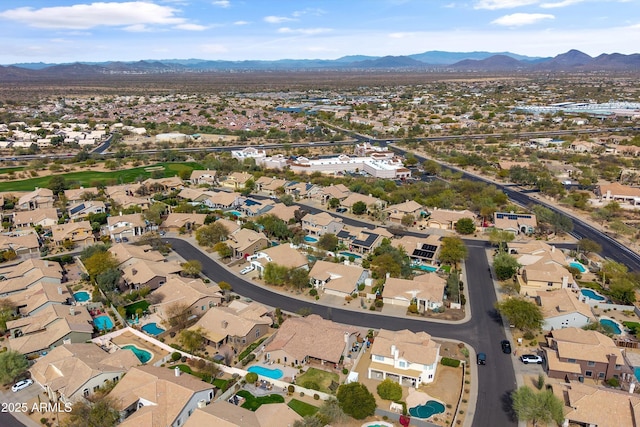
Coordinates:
(337, 279)
(321, 223)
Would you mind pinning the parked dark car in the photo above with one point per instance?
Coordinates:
(481, 358)
(506, 346)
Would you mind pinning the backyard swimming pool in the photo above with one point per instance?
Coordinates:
(81, 296)
(143, 355)
(428, 268)
(349, 254)
(152, 329)
(578, 266)
(428, 409)
(310, 239)
(235, 213)
(591, 294)
(274, 374)
(613, 325)
(103, 323)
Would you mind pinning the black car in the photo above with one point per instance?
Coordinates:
(506, 346)
(481, 359)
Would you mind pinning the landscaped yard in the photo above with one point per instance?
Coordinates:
(252, 403)
(303, 409)
(218, 382)
(131, 308)
(317, 379)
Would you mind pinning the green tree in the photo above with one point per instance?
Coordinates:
(524, 315)
(223, 250)
(192, 340)
(209, 235)
(57, 184)
(251, 377)
(333, 202)
(622, 289)
(7, 312)
(287, 199)
(505, 266)
(539, 408)
(452, 251)
(328, 242)
(356, 400)
(359, 208)
(330, 412)
(407, 220)
(192, 268)
(99, 263)
(154, 213)
(101, 412)
(12, 365)
(298, 278)
(108, 279)
(390, 390)
(275, 274)
(465, 226)
(178, 315)
(588, 246)
(275, 227)
(501, 238)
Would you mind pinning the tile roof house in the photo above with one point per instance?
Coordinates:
(39, 198)
(80, 233)
(193, 293)
(283, 255)
(398, 211)
(143, 273)
(129, 226)
(127, 255)
(370, 201)
(236, 180)
(204, 177)
(168, 184)
(154, 396)
(446, 219)
(421, 250)
(81, 210)
(78, 195)
(225, 414)
(299, 190)
(44, 217)
(363, 240)
(324, 194)
(17, 278)
(194, 194)
(238, 324)
(572, 353)
(25, 245)
(71, 372)
(252, 207)
(223, 200)
(329, 342)
(176, 221)
(537, 251)
(618, 192)
(562, 309)
(337, 279)
(283, 212)
(544, 275)
(426, 291)
(269, 185)
(39, 296)
(321, 223)
(515, 223)
(231, 226)
(246, 242)
(406, 357)
(53, 326)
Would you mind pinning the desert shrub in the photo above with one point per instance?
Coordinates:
(175, 356)
(447, 361)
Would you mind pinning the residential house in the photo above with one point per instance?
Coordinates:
(618, 192)
(231, 226)
(425, 291)
(421, 250)
(127, 255)
(71, 372)
(446, 219)
(204, 177)
(572, 353)
(225, 414)
(223, 200)
(329, 343)
(128, 196)
(78, 233)
(562, 309)
(163, 185)
(252, 207)
(39, 296)
(337, 279)
(78, 195)
(39, 198)
(410, 207)
(129, 226)
(80, 210)
(246, 242)
(299, 190)
(284, 212)
(17, 278)
(192, 293)
(44, 217)
(53, 326)
(324, 194)
(544, 275)
(535, 251)
(583, 146)
(183, 221)
(248, 153)
(321, 223)
(270, 185)
(364, 240)
(25, 245)
(194, 194)
(283, 255)
(371, 202)
(515, 223)
(406, 357)
(236, 180)
(155, 396)
(237, 325)
(143, 273)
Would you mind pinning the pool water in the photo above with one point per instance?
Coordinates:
(103, 323)
(81, 296)
(152, 329)
(578, 266)
(274, 374)
(428, 268)
(636, 372)
(235, 213)
(310, 239)
(610, 324)
(143, 355)
(428, 409)
(349, 254)
(589, 293)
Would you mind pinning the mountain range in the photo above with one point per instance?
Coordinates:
(571, 61)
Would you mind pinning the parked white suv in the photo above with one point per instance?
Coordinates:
(247, 269)
(531, 358)
(21, 384)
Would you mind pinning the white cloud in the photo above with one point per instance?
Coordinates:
(241, 23)
(134, 14)
(277, 19)
(305, 31)
(213, 48)
(519, 19)
(563, 3)
(503, 4)
(222, 3)
(191, 27)
(308, 11)
(137, 28)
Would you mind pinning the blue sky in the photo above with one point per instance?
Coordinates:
(128, 30)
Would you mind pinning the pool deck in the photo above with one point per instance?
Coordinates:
(287, 372)
(129, 338)
(417, 398)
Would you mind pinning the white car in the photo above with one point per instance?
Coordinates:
(531, 358)
(21, 384)
(247, 269)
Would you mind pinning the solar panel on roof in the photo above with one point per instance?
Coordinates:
(423, 254)
(427, 247)
(77, 209)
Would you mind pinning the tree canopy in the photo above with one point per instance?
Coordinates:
(505, 266)
(537, 407)
(328, 242)
(389, 390)
(452, 250)
(210, 235)
(465, 226)
(356, 400)
(359, 208)
(12, 365)
(524, 315)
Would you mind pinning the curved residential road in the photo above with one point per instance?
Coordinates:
(483, 332)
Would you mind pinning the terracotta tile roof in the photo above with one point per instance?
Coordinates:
(339, 277)
(234, 321)
(589, 405)
(284, 255)
(413, 347)
(429, 287)
(563, 301)
(123, 252)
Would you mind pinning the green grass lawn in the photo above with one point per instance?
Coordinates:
(303, 409)
(321, 378)
(252, 403)
(91, 178)
(131, 308)
(218, 382)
